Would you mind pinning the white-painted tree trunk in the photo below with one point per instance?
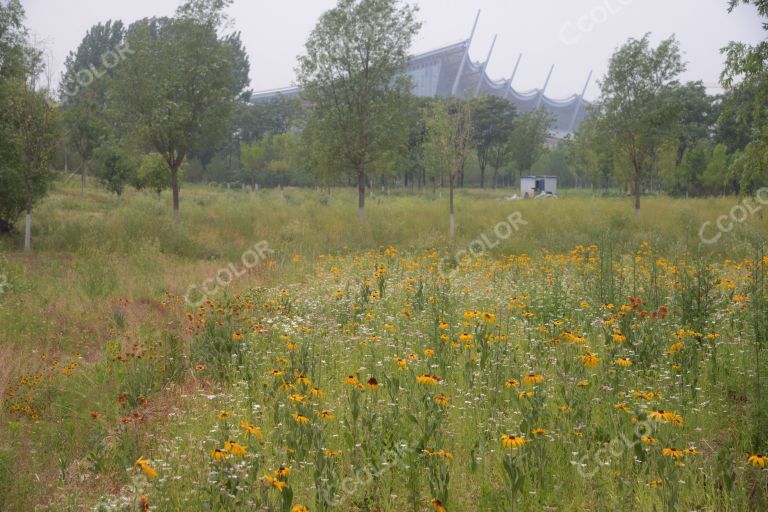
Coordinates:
(28, 232)
(453, 226)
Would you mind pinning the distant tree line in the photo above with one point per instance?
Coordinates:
(166, 100)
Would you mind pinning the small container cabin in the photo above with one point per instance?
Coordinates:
(534, 186)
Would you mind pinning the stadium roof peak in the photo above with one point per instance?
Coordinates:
(449, 71)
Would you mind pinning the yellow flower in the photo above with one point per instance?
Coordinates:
(301, 420)
(667, 416)
(582, 383)
(437, 505)
(466, 337)
(512, 441)
(148, 470)
(401, 363)
(589, 359)
(326, 415)
(299, 508)
(512, 383)
(758, 460)
(648, 440)
(525, 394)
(219, 454)
(533, 379)
(441, 400)
(250, 429)
(623, 361)
(297, 397)
(429, 380)
(443, 325)
(282, 472)
(656, 483)
(672, 453)
(429, 352)
(235, 448)
(237, 336)
(332, 453)
(316, 392)
(222, 415)
(539, 431)
(274, 482)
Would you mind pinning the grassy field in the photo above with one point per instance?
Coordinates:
(558, 355)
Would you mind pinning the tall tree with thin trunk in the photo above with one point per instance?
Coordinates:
(28, 124)
(352, 76)
(637, 110)
(180, 84)
(449, 141)
(493, 121)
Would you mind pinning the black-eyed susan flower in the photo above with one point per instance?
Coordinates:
(649, 440)
(222, 415)
(235, 448)
(533, 379)
(373, 384)
(331, 454)
(250, 430)
(672, 453)
(300, 508)
(667, 416)
(441, 400)
(539, 431)
(758, 460)
(219, 454)
(325, 415)
(428, 380)
(146, 468)
(276, 483)
(512, 383)
(623, 361)
(589, 359)
(316, 392)
(509, 441)
(437, 505)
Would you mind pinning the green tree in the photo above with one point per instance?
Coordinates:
(153, 173)
(13, 51)
(116, 167)
(178, 86)
(254, 158)
(529, 138)
(352, 76)
(637, 104)
(493, 120)
(28, 123)
(449, 140)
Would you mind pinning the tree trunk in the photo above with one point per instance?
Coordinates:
(360, 195)
(175, 189)
(637, 193)
(83, 170)
(495, 177)
(452, 219)
(482, 176)
(28, 228)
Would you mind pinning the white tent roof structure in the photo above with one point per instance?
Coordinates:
(449, 71)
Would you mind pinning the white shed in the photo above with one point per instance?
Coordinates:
(533, 186)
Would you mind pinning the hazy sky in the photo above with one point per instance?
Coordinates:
(575, 35)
